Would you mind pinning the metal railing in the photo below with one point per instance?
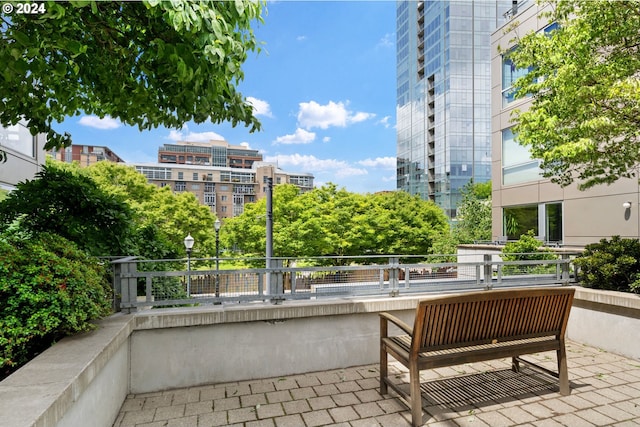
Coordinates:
(159, 283)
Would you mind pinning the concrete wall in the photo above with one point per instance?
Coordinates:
(80, 381)
(83, 380)
(608, 320)
(243, 343)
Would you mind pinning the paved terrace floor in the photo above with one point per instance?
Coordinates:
(605, 391)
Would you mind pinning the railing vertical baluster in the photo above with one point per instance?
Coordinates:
(149, 289)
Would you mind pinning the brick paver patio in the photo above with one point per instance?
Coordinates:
(605, 391)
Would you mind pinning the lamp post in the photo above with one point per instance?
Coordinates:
(188, 245)
(217, 225)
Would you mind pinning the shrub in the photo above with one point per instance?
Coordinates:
(527, 248)
(48, 289)
(611, 265)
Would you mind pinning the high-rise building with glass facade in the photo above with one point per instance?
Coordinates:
(444, 95)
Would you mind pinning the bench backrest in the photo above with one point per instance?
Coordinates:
(491, 316)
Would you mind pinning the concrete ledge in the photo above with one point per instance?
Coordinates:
(213, 315)
(43, 391)
(83, 380)
(607, 320)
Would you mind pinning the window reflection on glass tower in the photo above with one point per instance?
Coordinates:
(444, 95)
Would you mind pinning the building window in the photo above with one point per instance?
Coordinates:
(517, 165)
(195, 176)
(544, 220)
(509, 75)
(223, 198)
(18, 138)
(195, 186)
(180, 175)
(181, 186)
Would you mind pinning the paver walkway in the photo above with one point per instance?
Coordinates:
(605, 391)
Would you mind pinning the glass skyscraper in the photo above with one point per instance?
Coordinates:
(444, 95)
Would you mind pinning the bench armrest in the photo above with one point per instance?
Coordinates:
(399, 323)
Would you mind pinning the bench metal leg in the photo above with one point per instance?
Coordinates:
(515, 364)
(416, 398)
(563, 373)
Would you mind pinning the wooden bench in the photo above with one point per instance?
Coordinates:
(477, 326)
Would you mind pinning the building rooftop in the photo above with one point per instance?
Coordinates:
(605, 390)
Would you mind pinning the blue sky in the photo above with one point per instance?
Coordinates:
(323, 88)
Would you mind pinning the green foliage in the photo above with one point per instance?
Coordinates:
(585, 116)
(330, 221)
(611, 264)
(70, 205)
(146, 63)
(474, 214)
(527, 248)
(162, 219)
(48, 289)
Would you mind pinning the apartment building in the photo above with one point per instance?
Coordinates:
(225, 190)
(211, 153)
(522, 199)
(444, 96)
(85, 155)
(25, 155)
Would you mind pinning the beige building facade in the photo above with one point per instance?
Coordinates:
(225, 190)
(25, 155)
(85, 155)
(522, 199)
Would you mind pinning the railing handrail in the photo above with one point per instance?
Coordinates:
(390, 277)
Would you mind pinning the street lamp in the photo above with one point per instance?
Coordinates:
(217, 225)
(188, 245)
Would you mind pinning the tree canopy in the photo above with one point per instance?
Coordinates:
(332, 221)
(146, 63)
(474, 214)
(584, 123)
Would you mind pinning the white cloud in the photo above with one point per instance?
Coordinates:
(260, 107)
(300, 136)
(314, 165)
(184, 135)
(387, 41)
(379, 162)
(301, 38)
(385, 122)
(390, 178)
(326, 139)
(99, 123)
(311, 114)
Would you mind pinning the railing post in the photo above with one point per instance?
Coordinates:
(488, 271)
(117, 286)
(276, 281)
(394, 273)
(565, 268)
(128, 286)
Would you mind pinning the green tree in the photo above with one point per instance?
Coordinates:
(584, 120)
(474, 214)
(72, 206)
(329, 221)
(162, 218)
(146, 63)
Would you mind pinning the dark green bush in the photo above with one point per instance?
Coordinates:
(611, 264)
(48, 289)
